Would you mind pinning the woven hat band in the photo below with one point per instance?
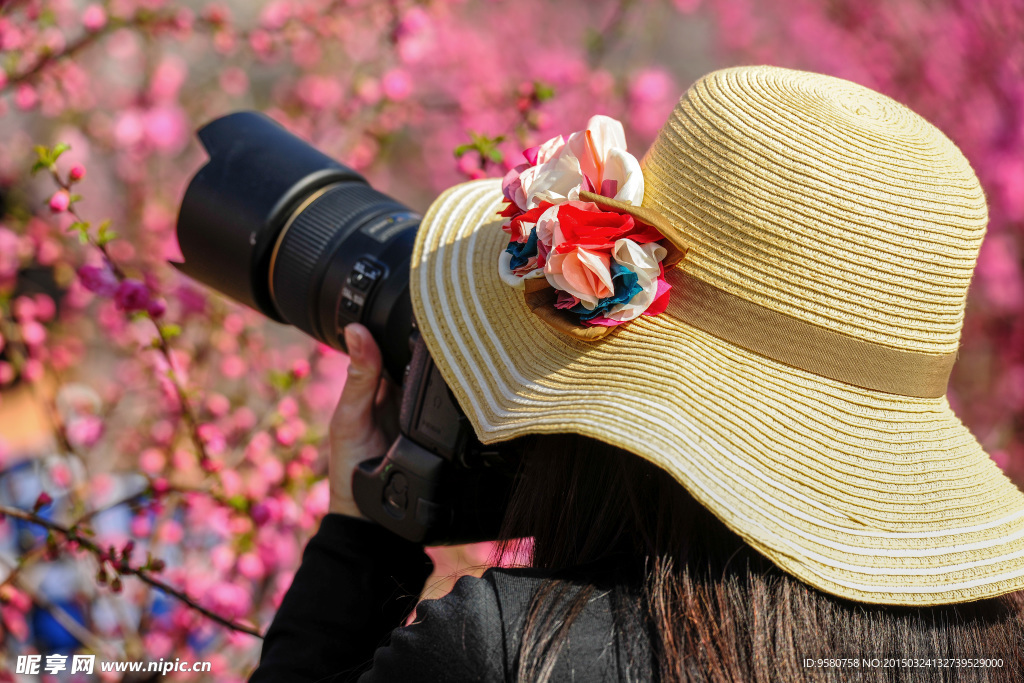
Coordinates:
(806, 346)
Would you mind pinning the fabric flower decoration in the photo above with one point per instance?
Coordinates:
(605, 265)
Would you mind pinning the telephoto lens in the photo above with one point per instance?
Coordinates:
(282, 228)
(288, 231)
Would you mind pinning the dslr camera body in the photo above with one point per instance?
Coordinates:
(284, 229)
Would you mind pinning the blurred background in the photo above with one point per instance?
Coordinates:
(176, 438)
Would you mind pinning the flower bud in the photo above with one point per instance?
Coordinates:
(60, 201)
(98, 280)
(43, 500)
(132, 295)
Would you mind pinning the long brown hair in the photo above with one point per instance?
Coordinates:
(710, 607)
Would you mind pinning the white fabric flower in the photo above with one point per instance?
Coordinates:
(594, 158)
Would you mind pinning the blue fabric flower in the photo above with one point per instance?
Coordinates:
(626, 287)
(522, 252)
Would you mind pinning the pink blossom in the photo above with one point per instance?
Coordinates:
(166, 128)
(60, 201)
(85, 431)
(170, 532)
(414, 36)
(396, 85)
(25, 97)
(98, 279)
(470, 166)
(94, 18)
(32, 333)
(275, 14)
(25, 309)
(15, 621)
(45, 308)
(161, 486)
(131, 295)
(222, 557)
(157, 644)
(272, 471)
(319, 92)
(300, 368)
(296, 470)
(244, 419)
(652, 94)
(251, 566)
(161, 432)
(76, 173)
(288, 407)
(369, 91)
(234, 324)
(141, 526)
(129, 128)
(239, 525)
(156, 308)
(229, 599)
(167, 79)
(230, 482)
(152, 461)
(33, 370)
(266, 511)
(218, 404)
(261, 43)
(259, 446)
(233, 367)
(286, 435)
(308, 455)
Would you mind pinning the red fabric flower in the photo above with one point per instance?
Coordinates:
(598, 230)
(520, 226)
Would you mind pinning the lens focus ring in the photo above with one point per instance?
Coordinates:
(309, 239)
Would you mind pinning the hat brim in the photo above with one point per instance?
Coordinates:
(870, 496)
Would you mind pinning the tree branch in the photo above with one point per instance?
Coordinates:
(122, 567)
(162, 343)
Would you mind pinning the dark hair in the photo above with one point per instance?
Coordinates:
(711, 608)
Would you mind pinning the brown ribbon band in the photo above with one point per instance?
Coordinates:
(768, 333)
(803, 345)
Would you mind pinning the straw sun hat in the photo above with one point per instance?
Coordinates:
(795, 385)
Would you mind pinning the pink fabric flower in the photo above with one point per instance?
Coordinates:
(582, 273)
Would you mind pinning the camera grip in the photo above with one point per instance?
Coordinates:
(403, 491)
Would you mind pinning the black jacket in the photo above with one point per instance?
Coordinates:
(357, 582)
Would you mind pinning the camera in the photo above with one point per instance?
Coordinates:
(284, 229)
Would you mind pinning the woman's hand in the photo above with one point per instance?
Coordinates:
(365, 421)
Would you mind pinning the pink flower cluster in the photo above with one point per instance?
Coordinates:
(605, 264)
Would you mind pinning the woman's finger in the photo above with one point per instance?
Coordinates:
(388, 409)
(353, 417)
